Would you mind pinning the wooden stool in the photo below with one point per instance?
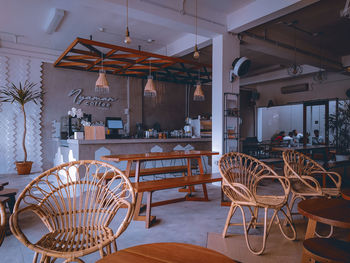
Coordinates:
(327, 249)
(11, 194)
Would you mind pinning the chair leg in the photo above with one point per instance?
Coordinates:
(114, 243)
(228, 219)
(35, 258)
(267, 227)
(289, 222)
(327, 236)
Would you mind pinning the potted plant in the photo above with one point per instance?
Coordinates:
(21, 94)
(340, 127)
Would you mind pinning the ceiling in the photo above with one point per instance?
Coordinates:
(27, 18)
(317, 31)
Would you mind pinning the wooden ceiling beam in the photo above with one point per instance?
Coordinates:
(111, 52)
(129, 62)
(84, 52)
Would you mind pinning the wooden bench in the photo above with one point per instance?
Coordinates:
(152, 171)
(155, 185)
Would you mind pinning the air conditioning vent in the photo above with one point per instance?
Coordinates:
(295, 88)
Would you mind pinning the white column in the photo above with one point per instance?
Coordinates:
(225, 50)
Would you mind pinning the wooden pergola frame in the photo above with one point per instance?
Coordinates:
(86, 55)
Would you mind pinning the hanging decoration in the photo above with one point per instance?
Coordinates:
(150, 89)
(102, 85)
(127, 39)
(295, 69)
(321, 75)
(196, 51)
(198, 93)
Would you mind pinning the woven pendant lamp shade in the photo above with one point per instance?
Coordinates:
(198, 93)
(102, 85)
(150, 89)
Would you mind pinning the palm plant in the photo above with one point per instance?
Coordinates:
(21, 94)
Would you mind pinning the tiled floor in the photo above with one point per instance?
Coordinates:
(186, 222)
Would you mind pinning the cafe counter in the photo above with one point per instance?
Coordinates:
(70, 150)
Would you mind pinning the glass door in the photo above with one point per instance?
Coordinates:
(315, 123)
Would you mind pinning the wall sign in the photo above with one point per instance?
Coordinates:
(80, 99)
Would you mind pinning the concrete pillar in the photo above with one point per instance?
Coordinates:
(225, 50)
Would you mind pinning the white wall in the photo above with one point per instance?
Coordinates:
(334, 87)
(19, 69)
(281, 118)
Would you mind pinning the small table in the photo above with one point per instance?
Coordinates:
(166, 252)
(345, 193)
(334, 212)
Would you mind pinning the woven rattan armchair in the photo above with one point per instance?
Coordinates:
(77, 208)
(2, 221)
(242, 175)
(303, 173)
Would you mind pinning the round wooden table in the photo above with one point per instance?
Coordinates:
(334, 212)
(345, 193)
(166, 252)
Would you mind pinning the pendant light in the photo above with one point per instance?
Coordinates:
(196, 52)
(150, 89)
(127, 39)
(102, 85)
(321, 75)
(198, 93)
(295, 69)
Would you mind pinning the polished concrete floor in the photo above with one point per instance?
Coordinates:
(186, 222)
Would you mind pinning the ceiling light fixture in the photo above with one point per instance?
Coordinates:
(127, 39)
(150, 89)
(321, 75)
(102, 85)
(196, 52)
(295, 69)
(198, 93)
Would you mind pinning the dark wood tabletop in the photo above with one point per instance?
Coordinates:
(166, 252)
(335, 212)
(157, 155)
(300, 148)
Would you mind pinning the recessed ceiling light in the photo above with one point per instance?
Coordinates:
(150, 40)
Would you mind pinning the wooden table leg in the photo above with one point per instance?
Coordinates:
(201, 171)
(310, 232)
(138, 206)
(148, 209)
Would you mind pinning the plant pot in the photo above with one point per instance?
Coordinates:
(23, 167)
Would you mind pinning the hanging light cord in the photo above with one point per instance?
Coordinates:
(102, 60)
(196, 22)
(127, 14)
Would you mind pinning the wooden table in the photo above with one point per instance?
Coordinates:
(166, 252)
(334, 212)
(345, 193)
(155, 156)
(143, 157)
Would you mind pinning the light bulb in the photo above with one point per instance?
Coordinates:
(196, 52)
(127, 39)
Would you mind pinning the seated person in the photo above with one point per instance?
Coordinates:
(280, 137)
(317, 139)
(289, 139)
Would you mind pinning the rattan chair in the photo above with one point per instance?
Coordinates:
(242, 175)
(303, 173)
(77, 208)
(2, 219)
